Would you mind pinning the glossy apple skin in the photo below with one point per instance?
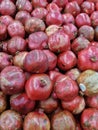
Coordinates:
(75, 106)
(88, 58)
(63, 120)
(21, 103)
(65, 88)
(10, 120)
(39, 87)
(59, 42)
(87, 82)
(92, 101)
(89, 119)
(36, 62)
(12, 80)
(37, 121)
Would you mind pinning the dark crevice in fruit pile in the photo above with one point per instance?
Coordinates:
(48, 64)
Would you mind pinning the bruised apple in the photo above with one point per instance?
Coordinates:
(38, 87)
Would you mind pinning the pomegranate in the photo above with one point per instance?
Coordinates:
(59, 42)
(87, 82)
(75, 106)
(38, 85)
(36, 61)
(12, 80)
(10, 120)
(63, 120)
(65, 88)
(19, 103)
(36, 120)
(89, 119)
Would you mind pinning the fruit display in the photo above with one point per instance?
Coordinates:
(48, 64)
